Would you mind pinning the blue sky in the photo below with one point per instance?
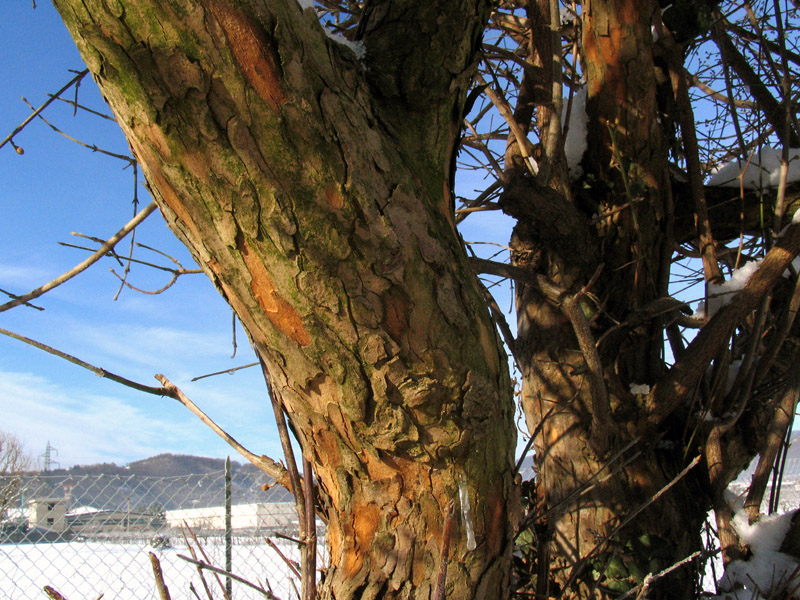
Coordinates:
(54, 188)
(57, 187)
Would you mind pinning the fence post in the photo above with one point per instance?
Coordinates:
(228, 528)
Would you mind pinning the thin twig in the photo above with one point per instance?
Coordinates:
(288, 538)
(293, 567)
(92, 147)
(267, 465)
(77, 106)
(28, 304)
(535, 432)
(129, 259)
(264, 463)
(194, 591)
(657, 495)
(208, 561)
(577, 568)
(233, 333)
(127, 270)
(53, 593)
(225, 372)
(288, 453)
(589, 484)
(36, 112)
(79, 268)
(158, 391)
(194, 555)
(309, 551)
(644, 586)
(209, 567)
(163, 592)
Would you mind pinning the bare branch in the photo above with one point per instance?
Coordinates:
(570, 305)
(79, 268)
(163, 592)
(10, 295)
(687, 372)
(209, 567)
(10, 137)
(266, 464)
(92, 147)
(225, 372)
(96, 370)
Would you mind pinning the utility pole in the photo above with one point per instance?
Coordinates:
(47, 457)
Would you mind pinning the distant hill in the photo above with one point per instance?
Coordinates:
(161, 465)
(165, 481)
(168, 465)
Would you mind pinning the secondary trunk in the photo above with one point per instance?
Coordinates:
(314, 191)
(589, 356)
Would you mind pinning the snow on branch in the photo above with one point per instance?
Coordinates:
(767, 570)
(761, 170)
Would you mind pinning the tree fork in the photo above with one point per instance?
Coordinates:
(269, 156)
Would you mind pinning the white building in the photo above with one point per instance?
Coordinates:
(48, 514)
(269, 515)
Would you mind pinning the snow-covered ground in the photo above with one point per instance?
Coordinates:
(84, 570)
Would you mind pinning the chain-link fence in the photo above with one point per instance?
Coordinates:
(89, 535)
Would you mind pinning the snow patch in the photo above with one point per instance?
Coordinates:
(304, 4)
(639, 389)
(720, 295)
(761, 170)
(766, 534)
(767, 569)
(575, 144)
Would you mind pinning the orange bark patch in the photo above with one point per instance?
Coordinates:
(333, 196)
(278, 311)
(335, 539)
(254, 52)
(377, 469)
(326, 446)
(365, 523)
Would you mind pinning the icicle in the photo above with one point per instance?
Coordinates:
(466, 512)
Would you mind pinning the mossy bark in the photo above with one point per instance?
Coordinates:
(315, 195)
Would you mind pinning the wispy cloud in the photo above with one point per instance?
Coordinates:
(139, 351)
(89, 427)
(23, 277)
(86, 428)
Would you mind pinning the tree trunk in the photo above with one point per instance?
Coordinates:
(313, 189)
(603, 242)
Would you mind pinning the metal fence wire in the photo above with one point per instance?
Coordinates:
(89, 536)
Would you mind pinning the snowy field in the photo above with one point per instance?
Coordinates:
(85, 570)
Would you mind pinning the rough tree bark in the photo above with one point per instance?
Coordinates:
(313, 189)
(583, 405)
(615, 432)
